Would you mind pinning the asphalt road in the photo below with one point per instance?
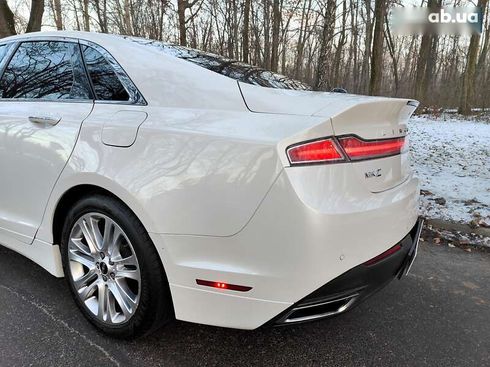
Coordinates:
(437, 316)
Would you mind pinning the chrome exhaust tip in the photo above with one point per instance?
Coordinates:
(318, 309)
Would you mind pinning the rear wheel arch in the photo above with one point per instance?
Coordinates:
(68, 199)
(74, 194)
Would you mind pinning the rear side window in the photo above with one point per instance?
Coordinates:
(105, 81)
(45, 70)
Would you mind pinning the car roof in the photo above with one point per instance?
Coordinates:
(88, 36)
(157, 75)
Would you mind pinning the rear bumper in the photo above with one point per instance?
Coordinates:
(293, 245)
(349, 289)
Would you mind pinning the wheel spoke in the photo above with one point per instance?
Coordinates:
(88, 291)
(81, 258)
(113, 244)
(111, 306)
(79, 245)
(126, 303)
(128, 273)
(91, 242)
(108, 228)
(85, 279)
(127, 261)
(103, 301)
(95, 231)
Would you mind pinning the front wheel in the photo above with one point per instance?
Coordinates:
(113, 269)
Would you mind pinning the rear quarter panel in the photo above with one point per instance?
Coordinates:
(190, 171)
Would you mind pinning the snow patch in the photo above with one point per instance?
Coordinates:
(451, 157)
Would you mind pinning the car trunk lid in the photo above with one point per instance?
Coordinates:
(371, 120)
(378, 123)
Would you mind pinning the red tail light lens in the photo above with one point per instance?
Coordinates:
(318, 151)
(357, 149)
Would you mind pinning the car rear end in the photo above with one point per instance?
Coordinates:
(358, 202)
(339, 221)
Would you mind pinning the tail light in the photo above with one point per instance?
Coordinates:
(342, 149)
(318, 151)
(357, 149)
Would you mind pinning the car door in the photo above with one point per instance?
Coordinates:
(45, 97)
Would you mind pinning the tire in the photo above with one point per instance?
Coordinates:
(113, 269)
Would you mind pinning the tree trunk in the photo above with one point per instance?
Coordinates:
(423, 71)
(127, 18)
(246, 31)
(484, 51)
(267, 40)
(367, 48)
(337, 60)
(301, 45)
(36, 16)
(377, 60)
(391, 49)
(468, 82)
(7, 24)
(276, 23)
(86, 16)
(57, 14)
(181, 6)
(323, 66)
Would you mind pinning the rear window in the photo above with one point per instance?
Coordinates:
(231, 68)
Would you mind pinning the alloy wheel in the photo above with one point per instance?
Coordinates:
(104, 269)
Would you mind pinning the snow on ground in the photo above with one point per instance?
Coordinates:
(451, 157)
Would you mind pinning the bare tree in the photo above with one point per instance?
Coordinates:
(36, 16)
(246, 31)
(57, 14)
(7, 19)
(377, 60)
(468, 79)
(182, 6)
(323, 66)
(276, 25)
(7, 23)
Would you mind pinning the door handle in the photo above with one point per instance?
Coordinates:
(45, 120)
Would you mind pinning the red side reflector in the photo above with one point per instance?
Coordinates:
(384, 255)
(358, 149)
(221, 285)
(315, 152)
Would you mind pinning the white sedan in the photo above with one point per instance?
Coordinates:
(165, 182)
